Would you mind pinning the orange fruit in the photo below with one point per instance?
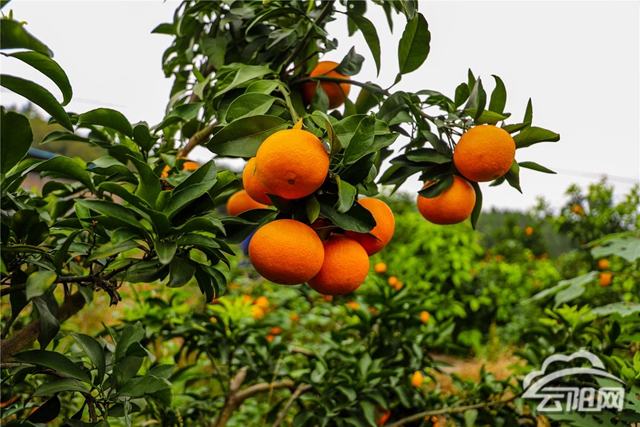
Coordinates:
(383, 231)
(544, 256)
(398, 286)
(393, 280)
(241, 202)
(425, 316)
(484, 153)
(452, 206)
(270, 338)
(292, 163)
(382, 417)
(335, 91)
(328, 298)
(252, 184)
(380, 267)
(353, 305)
(416, 379)
(345, 266)
(186, 166)
(528, 231)
(294, 317)
(262, 302)
(275, 330)
(286, 251)
(257, 312)
(605, 279)
(603, 264)
(577, 209)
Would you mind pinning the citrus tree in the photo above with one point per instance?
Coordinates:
(251, 82)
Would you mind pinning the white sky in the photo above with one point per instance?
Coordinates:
(579, 61)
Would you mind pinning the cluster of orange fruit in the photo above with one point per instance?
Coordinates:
(483, 153)
(293, 164)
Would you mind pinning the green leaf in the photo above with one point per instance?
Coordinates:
(53, 360)
(627, 248)
(94, 351)
(370, 34)
(181, 199)
(149, 187)
(470, 417)
(59, 385)
(108, 118)
(356, 219)
(533, 135)
(369, 410)
(181, 113)
(513, 176)
(413, 48)
(138, 387)
(142, 136)
(488, 116)
(301, 418)
(361, 141)
(536, 167)
(166, 251)
(428, 155)
(243, 137)
(39, 96)
(350, 64)
(348, 392)
(462, 94)
(346, 195)
(62, 254)
(622, 309)
(477, 100)
(244, 75)
(249, 104)
(49, 325)
(14, 36)
(49, 68)
(528, 114)
(498, 96)
(180, 272)
(132, 333)
(312, 207)
(110, 249)
(15, 139)
(39, 282)
(65, 166)
(477, 208)
(210, 225)
(111, 209)
(46, 412)
(434, 190)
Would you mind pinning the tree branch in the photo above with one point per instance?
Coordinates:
(457, 410)
(28, 335)
(301, 389)
(197, 138)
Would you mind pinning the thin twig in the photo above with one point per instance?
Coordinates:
(457, 410)
(12, 289)
(197, 138)
(301, 389)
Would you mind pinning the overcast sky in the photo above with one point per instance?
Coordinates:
(579, 61)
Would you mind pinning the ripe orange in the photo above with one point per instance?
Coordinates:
(252, 184)
(416, 379)
(262, 302)
(335, 92)
(605, 279)
(383, 231)
(380, 267)
(286, 251)
(452, 206)
(292, 163)
(270, 338)
(528, 231)
(603, 264)
(186, 166)
(353, 305)
(398, 286)
(257, 312)
(382, 418)
(577, 209)
(425, 316)
(241, 202)
(345, 267)
(393, 280)
(275, 330)
(484, 153)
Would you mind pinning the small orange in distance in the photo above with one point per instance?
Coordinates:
(383, 231)
(286, 251)
(484, 153)
(393, 280)
(345, 267)
(577, 209)
(528, 231)
(275, 330)
(353, 305)
(603, 264)
(335, 92)
(262, 302)
(452, 206)
(605, 279)
(425, 316)
(292, 163)
(416, 379)
(252, 184)
(241, 202)
(380, 267)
